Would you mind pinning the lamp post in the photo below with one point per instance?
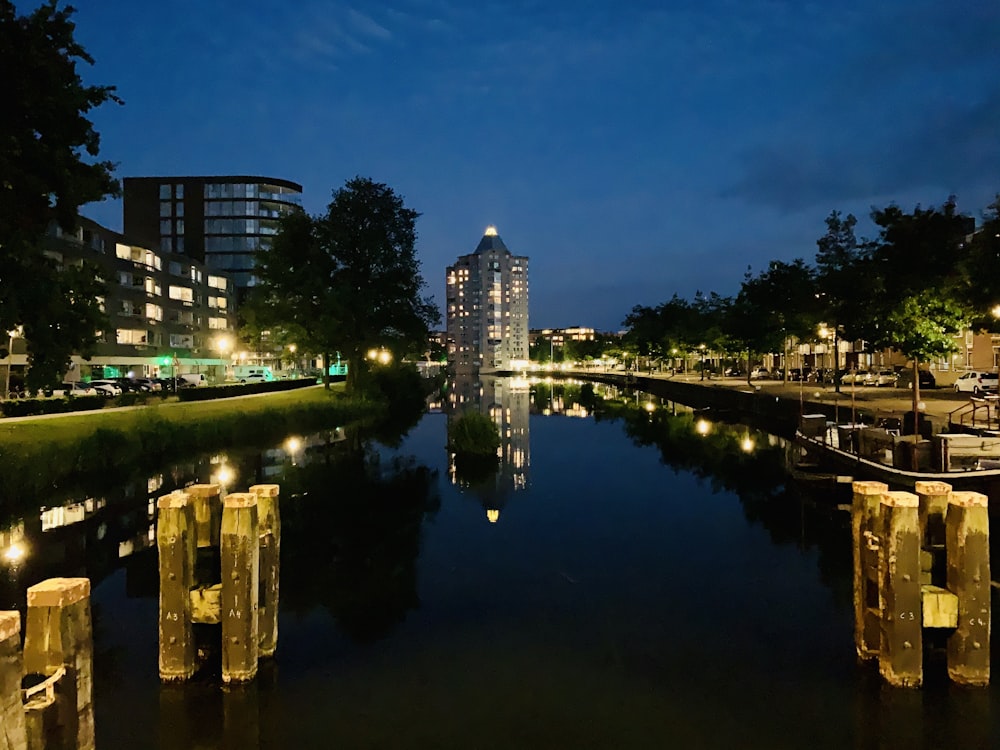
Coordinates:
(701, 348)
(10, 363)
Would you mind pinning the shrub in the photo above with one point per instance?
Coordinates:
(474, 434)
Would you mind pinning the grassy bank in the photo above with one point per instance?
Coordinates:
(39, 453)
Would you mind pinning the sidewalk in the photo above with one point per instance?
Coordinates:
(939, 403)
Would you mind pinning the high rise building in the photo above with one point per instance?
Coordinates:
(218, 221)
(487, 307)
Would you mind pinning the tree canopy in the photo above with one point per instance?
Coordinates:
(348, 279)
(47, 174)
(927, 276)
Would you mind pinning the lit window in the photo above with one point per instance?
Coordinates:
(180, 292)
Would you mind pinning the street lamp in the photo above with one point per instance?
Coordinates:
(701, 347)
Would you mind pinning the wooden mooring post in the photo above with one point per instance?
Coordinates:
(242, 599)
(921, 561)
(57, 709)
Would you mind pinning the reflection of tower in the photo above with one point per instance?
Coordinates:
(505, 401)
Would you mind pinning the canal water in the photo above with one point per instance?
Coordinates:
(629, 575)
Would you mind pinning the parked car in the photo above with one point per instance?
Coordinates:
(821, 375)
(107, 388)
(759, 373)
(879, 378)
(149, 384)
(196, 379)
(71, 389)
(977, 382)
(857, 377)
(173, 384)
(926, 379)
(130, 385)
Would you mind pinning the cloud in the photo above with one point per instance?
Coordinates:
(948, 148)
(367, 26)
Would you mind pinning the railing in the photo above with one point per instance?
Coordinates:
(981, 412)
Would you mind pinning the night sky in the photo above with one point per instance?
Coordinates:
(631, 149)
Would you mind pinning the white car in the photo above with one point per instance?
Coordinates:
(977, 382)
(73, 389)
(107, 388)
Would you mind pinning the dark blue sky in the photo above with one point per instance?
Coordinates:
(631, 149)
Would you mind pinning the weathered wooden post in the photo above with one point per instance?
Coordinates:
(240, 555)
(901, 654)
(13, 734)
(865, 530)
(968, 552)
(270, 561)
(58, 636)
(176, 537)
(207, 512)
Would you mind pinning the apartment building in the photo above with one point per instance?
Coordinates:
(168, 313)
(487, 307)
(220, 221)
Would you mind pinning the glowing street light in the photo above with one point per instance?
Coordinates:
(224, 475)
(224, 344)
(15, 553)
(382, 356)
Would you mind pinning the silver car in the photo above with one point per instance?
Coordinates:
(882, 377)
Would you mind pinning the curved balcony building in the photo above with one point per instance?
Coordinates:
(220, 221)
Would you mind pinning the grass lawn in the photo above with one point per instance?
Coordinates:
(66, 429)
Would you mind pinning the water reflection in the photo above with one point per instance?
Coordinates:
(351, 545)
(506, 401)
(676, 584)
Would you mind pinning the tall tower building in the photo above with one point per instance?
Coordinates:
(219, 221)
(487, 307)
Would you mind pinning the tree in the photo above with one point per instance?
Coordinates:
(845, 283)
(923, 326)
(349, 278)
(46, 177)
(780, 302)
(982, 270)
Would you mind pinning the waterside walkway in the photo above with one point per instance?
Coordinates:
(939, 404)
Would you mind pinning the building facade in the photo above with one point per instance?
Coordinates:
(168, 314)
(218, 221)
(487, 307)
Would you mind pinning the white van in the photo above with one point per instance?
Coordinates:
(250, 374)
(193, 378)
